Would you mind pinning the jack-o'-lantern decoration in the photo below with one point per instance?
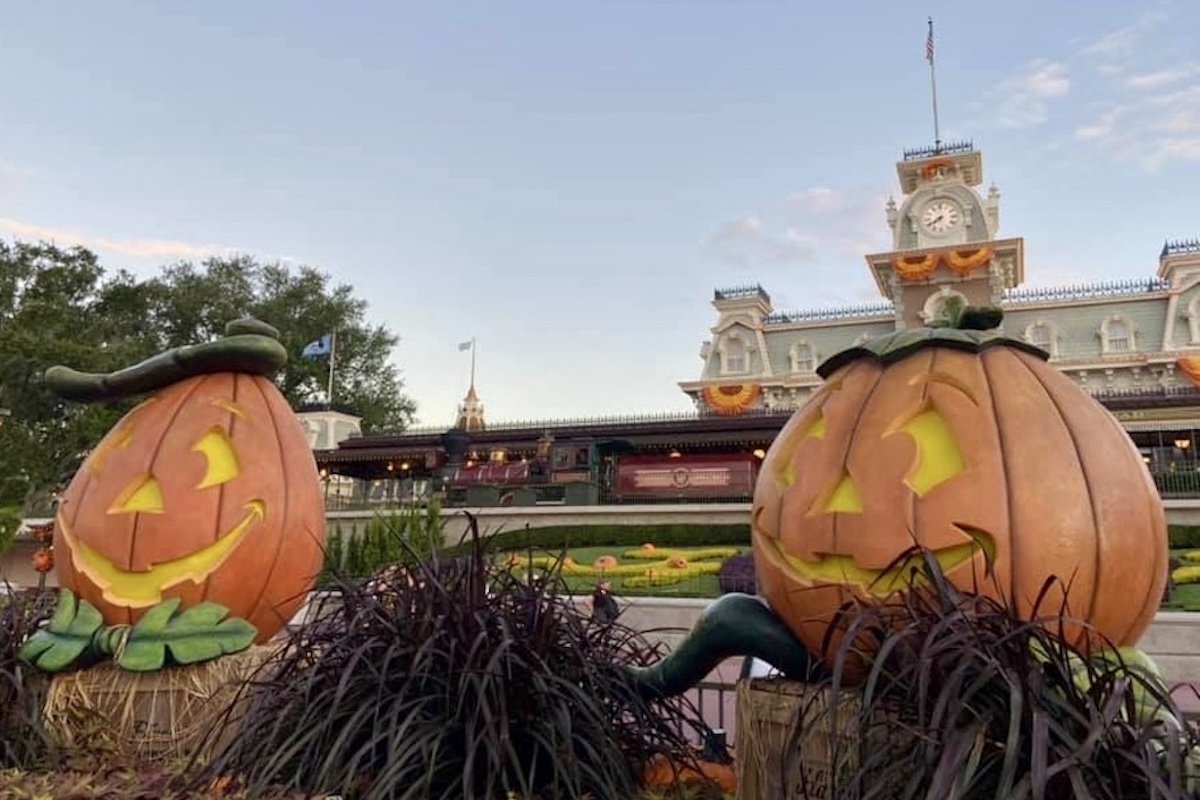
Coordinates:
(206, 491)
(971, 446)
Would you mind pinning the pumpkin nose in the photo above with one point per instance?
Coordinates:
(142, 496)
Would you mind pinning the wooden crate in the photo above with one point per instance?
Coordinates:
(768, 713)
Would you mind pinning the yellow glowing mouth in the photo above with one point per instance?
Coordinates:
(141, 589)
(837, 568)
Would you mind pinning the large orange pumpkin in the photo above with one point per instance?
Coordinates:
(206, 491)
(971, 445)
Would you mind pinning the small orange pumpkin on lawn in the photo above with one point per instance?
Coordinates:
(677, 562)
(605, 563)
(206, 491)
(971, 445)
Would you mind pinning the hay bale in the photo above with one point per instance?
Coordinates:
(150, 716)
(768, 713)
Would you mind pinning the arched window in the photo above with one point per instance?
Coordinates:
(803, 358)
(1118, 336)
(943, 306)
(1041, 334)
(733, 355)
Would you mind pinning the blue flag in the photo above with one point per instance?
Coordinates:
(321, 347)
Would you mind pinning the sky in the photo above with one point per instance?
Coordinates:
(567, 181)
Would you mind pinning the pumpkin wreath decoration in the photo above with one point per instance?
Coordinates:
(955, 441)
(195, 527)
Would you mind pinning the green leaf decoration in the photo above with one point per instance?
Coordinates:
(200, 633)
(68, 636)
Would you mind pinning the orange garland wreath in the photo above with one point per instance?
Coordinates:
(915, 268)
(1191, 367)
(964, 262)
(731, 400)
(930, 169)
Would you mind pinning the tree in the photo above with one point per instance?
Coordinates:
(193, 304)
(58, 306)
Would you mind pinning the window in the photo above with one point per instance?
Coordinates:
(733, 355)
(1117, 335)
(803, 358)
(1040, 335)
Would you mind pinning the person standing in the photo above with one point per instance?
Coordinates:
(604, 607)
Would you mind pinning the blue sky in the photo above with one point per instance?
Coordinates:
(568, 180)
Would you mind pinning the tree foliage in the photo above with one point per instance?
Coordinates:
(60, 306)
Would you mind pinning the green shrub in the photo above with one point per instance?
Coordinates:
(1183, 537)
(456, 679)
(560, 537)
(399, 537)
(10, 521)
(23, 740)
(966, 698)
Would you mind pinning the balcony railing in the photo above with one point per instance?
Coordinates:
(1173, 484)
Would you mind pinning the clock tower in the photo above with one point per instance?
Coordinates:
(944, 247)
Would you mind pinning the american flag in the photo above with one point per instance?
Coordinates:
(929, 43)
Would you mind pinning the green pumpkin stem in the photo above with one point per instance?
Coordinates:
(979, 318)
(249, 346)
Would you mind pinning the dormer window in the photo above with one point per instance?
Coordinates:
(1041, 334)
(1118, 335)
(803, 358)
(733, 355)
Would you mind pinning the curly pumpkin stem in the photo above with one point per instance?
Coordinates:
(979, 318)
(249, 346)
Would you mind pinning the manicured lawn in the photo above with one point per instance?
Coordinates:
(698, 586)
(1185, 596)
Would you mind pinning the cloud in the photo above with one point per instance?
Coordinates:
(815, 225)
(747, 243)
(1162, 78)
(132, 248)
(1114, 50)
(1152, 130)
(1023, 100)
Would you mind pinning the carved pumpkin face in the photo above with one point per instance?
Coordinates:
(973, 447)
(206, 491)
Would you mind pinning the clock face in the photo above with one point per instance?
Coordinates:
(940, 216)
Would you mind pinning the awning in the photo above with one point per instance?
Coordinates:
(1161, 425)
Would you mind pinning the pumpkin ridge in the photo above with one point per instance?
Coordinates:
(1150, 601)
(914, 507)
(252, 608)
(1013, 539)
(181, 403)
(221, 490)
(1097, 520)
(158, 445)
(844, 593)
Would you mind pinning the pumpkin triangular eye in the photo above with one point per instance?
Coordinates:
(143, 496)
(938, 457)
(221, 459)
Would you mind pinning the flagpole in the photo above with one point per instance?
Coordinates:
(937, 136)
(472, 361)
(332, 357)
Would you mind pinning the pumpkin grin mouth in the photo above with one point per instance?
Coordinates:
(144, 588)
(840, 568)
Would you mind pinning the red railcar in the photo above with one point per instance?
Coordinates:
(691, 477)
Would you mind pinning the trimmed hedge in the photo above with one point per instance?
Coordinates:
(560, 537)
(1184, 537)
